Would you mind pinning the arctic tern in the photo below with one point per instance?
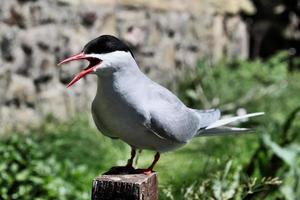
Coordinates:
(130, 106)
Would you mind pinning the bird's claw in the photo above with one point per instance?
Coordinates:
(144, 171)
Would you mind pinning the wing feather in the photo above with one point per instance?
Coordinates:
(169, 117)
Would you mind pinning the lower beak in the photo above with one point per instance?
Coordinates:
(87, 70)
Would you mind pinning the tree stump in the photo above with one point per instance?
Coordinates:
(125, 187)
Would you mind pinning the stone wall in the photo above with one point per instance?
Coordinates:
(168, 37)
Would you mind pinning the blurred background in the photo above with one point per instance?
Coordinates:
(239, 55)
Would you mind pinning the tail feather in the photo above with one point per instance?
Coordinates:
(218, 128)
(224, 130)
(222, 122)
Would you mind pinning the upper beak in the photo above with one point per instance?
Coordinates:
(87, 70)
(78, 56)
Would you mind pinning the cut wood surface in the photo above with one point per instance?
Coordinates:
(125, 186)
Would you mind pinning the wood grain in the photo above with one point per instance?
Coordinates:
(125, 187)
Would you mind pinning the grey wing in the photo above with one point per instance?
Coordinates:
(207, 117)
(169, 118)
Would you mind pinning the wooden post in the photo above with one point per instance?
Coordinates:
(125, 187)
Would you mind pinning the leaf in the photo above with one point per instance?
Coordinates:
(288, 156)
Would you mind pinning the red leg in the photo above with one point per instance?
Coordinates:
(149, 170)
(156, 158)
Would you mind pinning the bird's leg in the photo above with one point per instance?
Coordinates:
(127, 169)
(156, 158)
(149, 170)
(130, 160)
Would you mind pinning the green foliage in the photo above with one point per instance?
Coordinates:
(28, 172)
(56, 161)
(290, 156)
(235, 84)
(224, 185)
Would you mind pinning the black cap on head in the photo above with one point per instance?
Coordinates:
(105, 44)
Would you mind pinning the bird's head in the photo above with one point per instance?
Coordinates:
(106, 54)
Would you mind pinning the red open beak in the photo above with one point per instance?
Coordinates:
(87, 70)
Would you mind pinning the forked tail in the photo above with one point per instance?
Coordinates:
(218, 127)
